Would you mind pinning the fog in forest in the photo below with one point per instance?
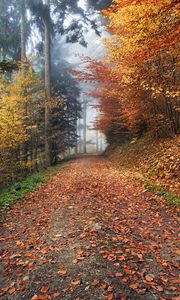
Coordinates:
(69, 54)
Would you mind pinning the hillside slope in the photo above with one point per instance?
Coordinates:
(155, 161)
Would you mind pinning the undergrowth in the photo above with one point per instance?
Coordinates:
(156, 160)
(19, 190)
(161, 191)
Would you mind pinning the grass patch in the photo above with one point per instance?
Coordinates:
(161, 191)
(19, 190)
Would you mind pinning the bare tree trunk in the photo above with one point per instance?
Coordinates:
(76, 146)
(22, 10)
(97, 141)
(23, 29)
(101, 142)
(85, 125)
(79, 133)
(47, 46)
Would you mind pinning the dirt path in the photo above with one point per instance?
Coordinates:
(90, 234)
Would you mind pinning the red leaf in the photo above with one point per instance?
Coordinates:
(44, 289)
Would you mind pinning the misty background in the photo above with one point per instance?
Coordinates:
(67, 55)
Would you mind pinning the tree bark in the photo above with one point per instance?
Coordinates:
(85, 125)
(97, 141)
(47, 49)
(23, 29)
(101, 142)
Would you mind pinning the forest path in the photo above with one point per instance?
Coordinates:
(90, 233)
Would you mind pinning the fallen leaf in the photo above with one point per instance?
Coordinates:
(12, 291)
(75, 261)
(159, 288)
(54, 295)
(95, 282)
(149, 277)
(44, 289)
(119, 274)
(35, 297)
(134, 286)
(42, 297)
(76, 282)
(110, 296)
(26, 278)
(110, 288)
(62, 272)
(103, 286)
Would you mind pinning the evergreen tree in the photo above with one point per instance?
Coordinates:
(10, 30)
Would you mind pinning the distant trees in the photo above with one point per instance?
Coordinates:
(138, 80)
(10, 31)
(99, 5)
(64, 125)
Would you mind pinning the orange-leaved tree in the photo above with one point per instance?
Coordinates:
(138, 82)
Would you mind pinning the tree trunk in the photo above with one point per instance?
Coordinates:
(22, 10)
(79, 133)
(85, 125)
(101, 142)
(23, 29)
(97, 141)
(47, 49)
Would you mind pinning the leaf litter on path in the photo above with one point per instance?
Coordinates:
(90, 233)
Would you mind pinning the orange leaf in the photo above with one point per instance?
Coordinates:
(121, 258)
(110, 296)
(134, 286)
(11, 291)
(44, 289)
(149, 277)
(54, 295)
(159, 288)
(35, 297)
(75, 261)
(42, 297)
(62, 272)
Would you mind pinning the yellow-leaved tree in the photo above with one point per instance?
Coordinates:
(21, 122)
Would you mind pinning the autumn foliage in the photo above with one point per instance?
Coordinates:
(137, 79)
(22, 100)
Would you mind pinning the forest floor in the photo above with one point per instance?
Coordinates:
(90, 233)
(155, 161)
